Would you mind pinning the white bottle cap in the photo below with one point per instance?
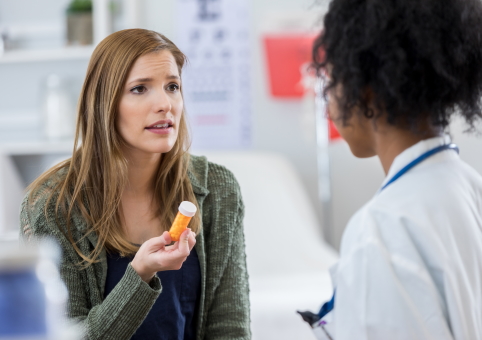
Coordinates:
(187, 209)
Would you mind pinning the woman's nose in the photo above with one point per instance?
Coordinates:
(162, 102)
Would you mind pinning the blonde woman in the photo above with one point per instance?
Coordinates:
(111, 204)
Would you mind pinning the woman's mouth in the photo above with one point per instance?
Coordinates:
(161, 128)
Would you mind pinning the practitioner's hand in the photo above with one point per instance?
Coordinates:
(155, 255)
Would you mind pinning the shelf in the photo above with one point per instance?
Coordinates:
(58, 54)
(36, 147)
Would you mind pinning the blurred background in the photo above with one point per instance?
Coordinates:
(251, 106)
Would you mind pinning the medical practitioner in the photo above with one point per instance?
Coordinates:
(411, 257)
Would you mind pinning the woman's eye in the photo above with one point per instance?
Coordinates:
(139, 89)
(173, 87)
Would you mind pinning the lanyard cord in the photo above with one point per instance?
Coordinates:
(420, 160)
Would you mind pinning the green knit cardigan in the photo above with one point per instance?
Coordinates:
(224, 303)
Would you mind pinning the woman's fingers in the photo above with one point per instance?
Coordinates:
(162, 240)
(157, 243)
(155, 255)
(192, 240)
(167, 237)
(183, 247)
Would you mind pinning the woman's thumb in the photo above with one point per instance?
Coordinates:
(184, 242)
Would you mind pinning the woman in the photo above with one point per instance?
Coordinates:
(111, 204)
(411, 258)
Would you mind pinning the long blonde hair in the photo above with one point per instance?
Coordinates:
(95, 176)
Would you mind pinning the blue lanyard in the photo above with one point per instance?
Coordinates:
(328, 306)
(419, 160)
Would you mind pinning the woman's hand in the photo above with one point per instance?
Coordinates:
(155, 255)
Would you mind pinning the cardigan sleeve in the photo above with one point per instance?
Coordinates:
(228, 316)
(123, 310)
(120, 314)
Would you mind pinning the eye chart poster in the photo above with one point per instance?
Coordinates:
(214, 34)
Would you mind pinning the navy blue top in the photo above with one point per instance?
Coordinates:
(173, 315)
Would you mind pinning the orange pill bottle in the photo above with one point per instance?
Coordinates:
(186, 211)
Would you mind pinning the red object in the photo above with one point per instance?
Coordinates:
(333, 132)
(286, 55)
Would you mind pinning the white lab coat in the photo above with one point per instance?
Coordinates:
(411, 258)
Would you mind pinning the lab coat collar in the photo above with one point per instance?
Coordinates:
(413, 153)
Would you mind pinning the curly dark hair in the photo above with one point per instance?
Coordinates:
(421, 59)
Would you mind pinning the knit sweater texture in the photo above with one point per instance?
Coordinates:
(224, 304)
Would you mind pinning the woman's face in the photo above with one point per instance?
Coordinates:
(151, 105)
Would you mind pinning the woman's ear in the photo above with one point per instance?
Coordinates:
(369, 100)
